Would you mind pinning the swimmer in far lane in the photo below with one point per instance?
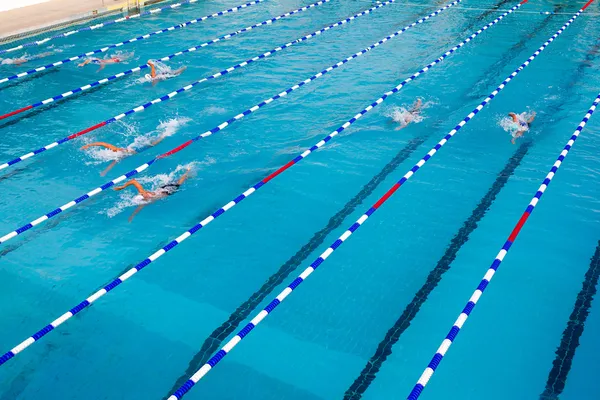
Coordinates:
(163, 73)
(102, 62)
(410, 115)
(522, 122)
(164, 190)
(25, 58)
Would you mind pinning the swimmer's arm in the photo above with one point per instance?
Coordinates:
(152, 69)
(133, 182)
(514, 117)
(157, 141)
(530, 120)
(103, 144)
(137, 210)
(184, 177)
(112, 164)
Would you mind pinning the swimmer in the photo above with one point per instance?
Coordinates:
(102, 61)
(523, 124)
(23, 59)
(161, 76)
(122, 151)
(163, 191)
(411, 115)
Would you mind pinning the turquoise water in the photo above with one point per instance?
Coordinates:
(143, 337)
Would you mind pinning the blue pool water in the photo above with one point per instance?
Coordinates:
(142, 340)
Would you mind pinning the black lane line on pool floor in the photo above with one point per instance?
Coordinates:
(46, 107)
(214, 341)
(384, 349)
(27, 79)
(495, 70)
(569, 342)
(561, 366)
(482, 16)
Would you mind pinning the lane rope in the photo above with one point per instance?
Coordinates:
(437, 358)
(212, 362)
(216, 129)
(466, 312)
(190, 86)
(166, 58)
(495, 10)
(116, 282)
(96, 26)
(129, 41)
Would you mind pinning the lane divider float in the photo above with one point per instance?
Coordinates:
(190, 86)
(116, 282)
(439, 355)
(129, 41)
(96, 26)
(166, 58)
(212, 362)
(210, 132)
(466, 312)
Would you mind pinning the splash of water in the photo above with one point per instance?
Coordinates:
(140, 142)
(123, 55)
(10, 61)
(130, 199)
(403, 116)
(512, 127)
(172, 125)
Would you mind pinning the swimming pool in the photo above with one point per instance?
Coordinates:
(145, 338)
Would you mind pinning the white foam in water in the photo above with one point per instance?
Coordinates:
(171, 126)
(402, 115)
(512, 127)
(123, 55)
(164, 129)
(163, 71)
(212, 110)
(130, 198)
(9, 61)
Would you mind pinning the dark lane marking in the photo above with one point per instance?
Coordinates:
(384, 349)
(561, 366)
(214, 341)
(495, 69)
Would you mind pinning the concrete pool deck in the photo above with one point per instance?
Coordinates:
(22, 18)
